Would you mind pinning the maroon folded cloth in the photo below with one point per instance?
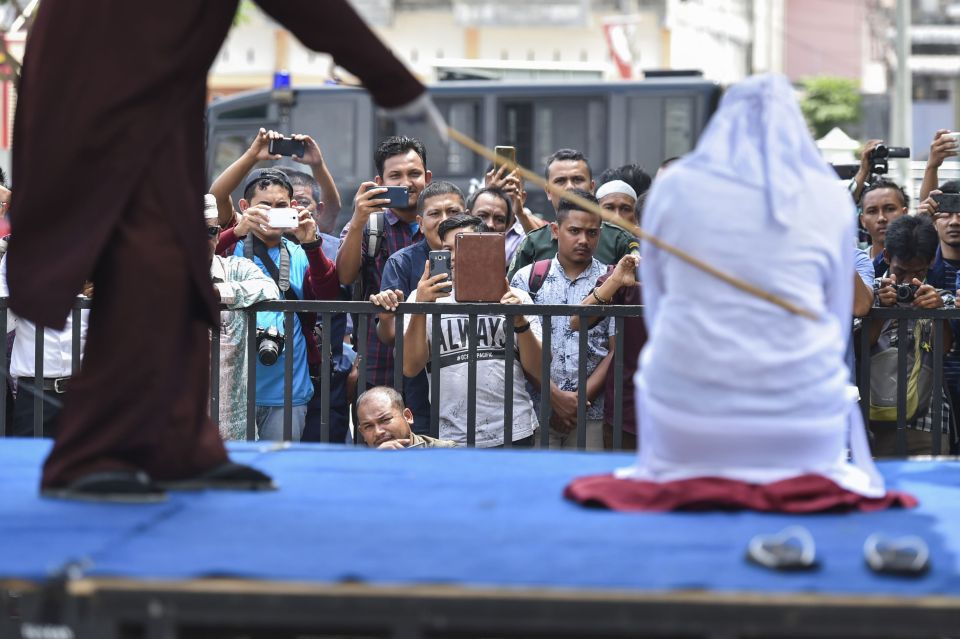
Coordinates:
(803, 494)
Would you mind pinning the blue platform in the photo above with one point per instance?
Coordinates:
(464, 517)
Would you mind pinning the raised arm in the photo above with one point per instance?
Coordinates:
(233, 175)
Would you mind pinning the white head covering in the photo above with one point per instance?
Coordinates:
(209, 207)
(615, 186)
(758, 137)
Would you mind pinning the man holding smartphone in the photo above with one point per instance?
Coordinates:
(301, 272)
(400, 162)
(491, 393)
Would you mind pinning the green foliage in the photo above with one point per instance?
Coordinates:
(828, 102)
(243, 12)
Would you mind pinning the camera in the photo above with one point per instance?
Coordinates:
(880, 154)
(905, 292)
(269, 345)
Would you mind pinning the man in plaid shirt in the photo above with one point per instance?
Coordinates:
(400, 161)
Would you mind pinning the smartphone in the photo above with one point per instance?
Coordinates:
(947, 202)
(399, 196)
(287, 146)
(283, 218)
(440, 263)
(506, 152)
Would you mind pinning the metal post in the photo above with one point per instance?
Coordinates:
(545, 358)
(251, 375)
(288, 348)
(471, 380)
(38, 396)
(902, 125)
(619, 343)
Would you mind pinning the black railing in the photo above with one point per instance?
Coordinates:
(363, 311)
(940, 317)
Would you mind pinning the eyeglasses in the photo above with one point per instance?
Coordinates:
(213, 231)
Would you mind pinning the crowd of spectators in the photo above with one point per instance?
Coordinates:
(564, 256)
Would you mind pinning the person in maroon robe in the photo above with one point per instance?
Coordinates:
(109, 165)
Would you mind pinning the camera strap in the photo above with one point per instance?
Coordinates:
(280, 275)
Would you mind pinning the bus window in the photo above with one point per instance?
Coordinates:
(334, 127)
(539, 127)
(454, 160)
(226, 150)
(516, 130)
(677, 126)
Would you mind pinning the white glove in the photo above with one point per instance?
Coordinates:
(419, 111)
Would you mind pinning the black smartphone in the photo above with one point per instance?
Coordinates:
(947, 202)
(440, 263)
(398, 196)
(287, 146)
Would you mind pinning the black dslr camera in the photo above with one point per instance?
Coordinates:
(905, 292)
(269, 345)
(880, 153)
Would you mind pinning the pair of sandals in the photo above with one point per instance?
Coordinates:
(136, 487)
(793, 548)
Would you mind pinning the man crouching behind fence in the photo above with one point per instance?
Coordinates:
(385, 423)
(238, 283)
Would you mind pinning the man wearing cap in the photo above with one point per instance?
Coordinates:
(238, 283)
(619, 198)
(133, 142)
(301, 271)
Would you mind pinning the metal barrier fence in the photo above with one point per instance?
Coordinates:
(325, 311)
(363, 311)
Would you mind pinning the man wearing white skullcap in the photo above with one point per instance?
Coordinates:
(238, 283)
(619, 198)
(732, 388)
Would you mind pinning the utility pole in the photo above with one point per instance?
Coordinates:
(902, 129)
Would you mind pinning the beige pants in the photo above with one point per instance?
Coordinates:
(568, 441)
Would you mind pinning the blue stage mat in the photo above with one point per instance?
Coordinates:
(465, 517)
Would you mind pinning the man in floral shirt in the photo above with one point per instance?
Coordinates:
(570, 278)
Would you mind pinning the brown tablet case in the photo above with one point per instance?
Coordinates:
(479, 271)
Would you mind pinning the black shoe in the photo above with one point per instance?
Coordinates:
(227, 476)
(121, 487)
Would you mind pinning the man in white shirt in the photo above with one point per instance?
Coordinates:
(491, 355)
(58, 365)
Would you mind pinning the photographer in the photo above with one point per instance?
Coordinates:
(910, 247)
(883, 201)
(301, 272)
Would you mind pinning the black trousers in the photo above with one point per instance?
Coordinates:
(23, 410)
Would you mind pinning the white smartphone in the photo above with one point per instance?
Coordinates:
(283, 218)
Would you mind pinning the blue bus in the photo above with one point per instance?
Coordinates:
(613, 123)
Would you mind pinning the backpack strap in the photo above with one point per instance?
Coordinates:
(539, 272)
(375, 235)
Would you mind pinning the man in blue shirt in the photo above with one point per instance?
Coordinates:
(301, 272)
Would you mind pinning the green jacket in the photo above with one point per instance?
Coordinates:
(540, 245)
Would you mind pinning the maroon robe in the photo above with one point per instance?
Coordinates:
(109, 169)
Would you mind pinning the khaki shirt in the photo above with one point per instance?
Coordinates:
(422, 441)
